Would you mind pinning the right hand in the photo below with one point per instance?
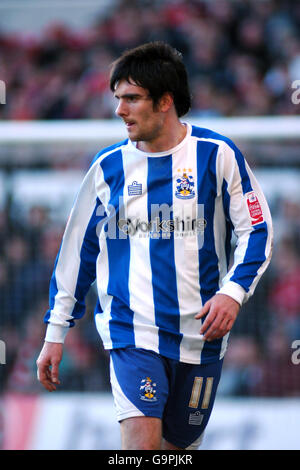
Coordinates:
(48, 364)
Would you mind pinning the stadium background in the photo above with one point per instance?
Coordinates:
(243, 58)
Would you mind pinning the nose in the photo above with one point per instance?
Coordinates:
(121, 109)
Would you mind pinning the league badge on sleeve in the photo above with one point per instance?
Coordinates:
(254, 208)
(147, 390)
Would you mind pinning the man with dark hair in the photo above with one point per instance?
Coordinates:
(157, 69)
(152, 224)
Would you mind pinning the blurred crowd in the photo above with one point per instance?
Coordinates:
(242, 57)
(29, 245)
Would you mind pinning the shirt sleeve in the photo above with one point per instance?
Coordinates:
(75, 265)
(247, 211)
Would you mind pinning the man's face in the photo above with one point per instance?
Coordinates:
(135, 107)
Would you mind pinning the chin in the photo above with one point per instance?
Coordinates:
(134, 137)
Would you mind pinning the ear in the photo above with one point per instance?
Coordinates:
(166, 102)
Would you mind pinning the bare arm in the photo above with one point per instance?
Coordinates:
(221, 311)
(48, 364)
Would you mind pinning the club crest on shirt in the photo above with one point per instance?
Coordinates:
(185, 185)
(147, 390)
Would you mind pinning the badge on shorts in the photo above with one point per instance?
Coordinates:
(254, 208)
(196, 418)
(147, 390)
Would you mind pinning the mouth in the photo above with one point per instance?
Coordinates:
(129, 124)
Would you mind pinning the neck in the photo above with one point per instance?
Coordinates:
(169, 137)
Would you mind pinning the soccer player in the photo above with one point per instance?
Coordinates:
(152, 224)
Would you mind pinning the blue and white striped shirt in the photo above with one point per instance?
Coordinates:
(154, 231)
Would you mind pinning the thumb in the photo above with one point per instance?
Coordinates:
(204, 310)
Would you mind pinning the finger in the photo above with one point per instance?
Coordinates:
(204, 310)
(54, 373)
(215, 334)
(47, 384)
(211, 327)
(211, 332)
(219, 330)
(42, 374)
(44, 377)
(207, 322)
(225, 326)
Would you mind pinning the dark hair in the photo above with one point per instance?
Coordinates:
(157, 67)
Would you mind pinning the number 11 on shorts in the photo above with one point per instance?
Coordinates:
(196, 392)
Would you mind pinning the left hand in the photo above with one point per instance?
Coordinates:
(221, 311)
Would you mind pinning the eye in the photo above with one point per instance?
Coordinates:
(132, 99)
